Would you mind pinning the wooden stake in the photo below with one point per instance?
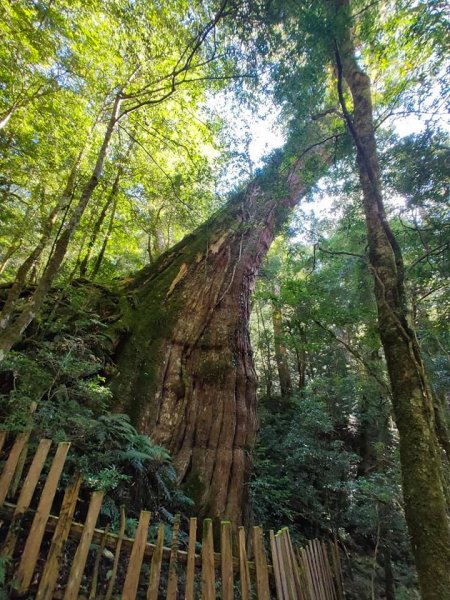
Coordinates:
(155, 571)
(25, 496)
(226, 561)
(262, 575)
(11, 464)
(79, 561)
(243, 566)
(208, 575)
(51, 570)
(276, 565)
(173, 577)
(137, 554)
(34, 540)
(190, 568)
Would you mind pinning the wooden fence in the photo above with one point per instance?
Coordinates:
(45, 555)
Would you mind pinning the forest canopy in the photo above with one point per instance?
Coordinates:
(224, 262)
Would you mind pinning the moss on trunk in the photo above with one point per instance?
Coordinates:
(185, 366)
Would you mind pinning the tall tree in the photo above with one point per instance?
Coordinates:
(185, 366)
(423, 485)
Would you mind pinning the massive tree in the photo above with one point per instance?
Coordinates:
(185, 365)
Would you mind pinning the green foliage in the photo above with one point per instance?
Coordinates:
(62, 373)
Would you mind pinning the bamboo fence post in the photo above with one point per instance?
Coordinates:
(79, 561)
(34, 540)
(190, 568)
(275, 565)
(288, 570)
(244, 571)
(137, 554)
(51, 570)
(308, 574)
(112, 579)
(25, 496)
(208, 575)
(281, 561)
(172, 585)
(226, 560)
(295, 566)
(321, 575)
(155, 571)
(262, 575)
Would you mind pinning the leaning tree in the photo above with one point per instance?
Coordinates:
(185, 370)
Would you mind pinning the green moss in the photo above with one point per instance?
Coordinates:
(214, 369)
(194, 487)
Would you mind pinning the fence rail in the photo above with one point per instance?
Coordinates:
(45, 552)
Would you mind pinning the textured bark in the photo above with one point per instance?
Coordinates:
(185, 372)
(425, 503)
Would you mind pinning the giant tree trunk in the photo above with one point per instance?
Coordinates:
(185, 370)
(425, 503)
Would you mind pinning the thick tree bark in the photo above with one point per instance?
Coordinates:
(185, 371)
(425, 503)
(281, 353)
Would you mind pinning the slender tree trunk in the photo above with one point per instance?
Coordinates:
(281, 353)
(185, 370)
(266, 348)
(13, 332)
(425, 503)
(31, 261)
(99, 222)
(101, 254)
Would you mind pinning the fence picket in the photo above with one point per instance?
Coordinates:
(11, 464)
(310, 573)
(25, 497)
(282, 566)
(137, 554)
(295, 566)
(262, 575)
(155, 571)
(276, 565)
(190, 568)
(51, 570)
(244, 571)
(172, 586)
(34, 540)
(208, 575)
(79, 561)
(287, 559)
(226, 560)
